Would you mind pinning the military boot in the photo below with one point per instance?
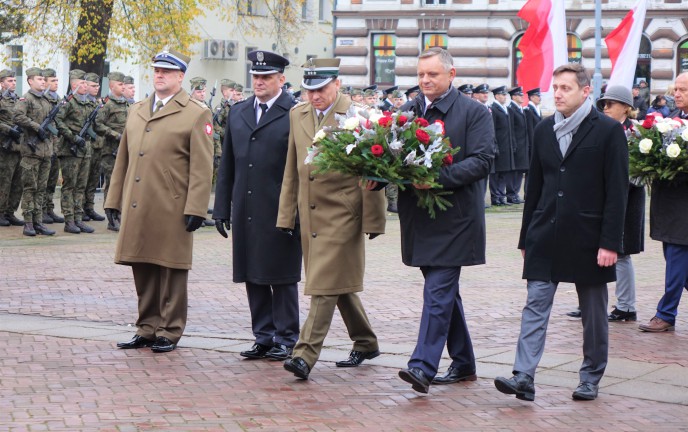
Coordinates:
(83, 227)
(71, 228)
(93, 215)
(3, 221)
(13, 220)
(55, 217)
(28, 230)
(42, 229)
(85, 217)
(47, 219)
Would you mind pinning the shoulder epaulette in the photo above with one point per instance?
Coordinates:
(299, 104)
(200, 103)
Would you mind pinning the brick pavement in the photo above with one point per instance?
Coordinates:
(64, 303)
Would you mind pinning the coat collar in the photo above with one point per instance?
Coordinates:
(174, 105)
(307, 114)
(248, 113)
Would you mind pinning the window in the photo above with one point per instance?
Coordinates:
(434, 2)
(431, 40)
(682, 57)
(253, 7)
(643, 66)
(574, 48)
(249, 79)
(383, 59)
(16, 64)
(304, 10)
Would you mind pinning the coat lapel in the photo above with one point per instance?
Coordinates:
(248, 113)
(173, 106)
(582, 132)
(282, 104)
(145, 111)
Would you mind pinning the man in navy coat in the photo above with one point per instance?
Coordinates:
(248, 187)
(572, 228)
(456, 238)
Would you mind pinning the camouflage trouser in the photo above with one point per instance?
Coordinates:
(93, 177)
(391, 192)
(48, 204)
(34, 176)
(10, 181)
(108, 164)
(74, 178)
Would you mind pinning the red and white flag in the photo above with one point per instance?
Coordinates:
(543, 45)
(623, 44)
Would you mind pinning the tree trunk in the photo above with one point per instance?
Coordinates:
(92, 36)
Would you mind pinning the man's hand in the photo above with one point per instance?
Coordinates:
(79, 140)
(421, 186)
(372, 185)
(287, 231)
(222, 226)
(42, 134)
(193, 222)
(606, 257)
(372, 235)
(112, 215)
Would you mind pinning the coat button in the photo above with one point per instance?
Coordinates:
(311, 178)
(138, 179)
(314, 235)
(253, 139)
(140, 153)
(562, 169)
(250, 165)
(560, 193)
(312, 206)
(552, 220)
(250, 219)
(133, 205)
(249, 192)
(147, 129)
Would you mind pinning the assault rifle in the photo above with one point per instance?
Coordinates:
(47, 123)
(87, 129)
(14, 134)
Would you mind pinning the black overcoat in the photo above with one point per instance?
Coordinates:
(519, 130)
(634, 222)
(249, 181)
(504, 159)
(457, 236)
(668, 210)
(576, 203)
(532, 119)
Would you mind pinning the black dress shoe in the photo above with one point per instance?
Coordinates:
(506, 203)
(585, 391)
(574, 314)
(619, 315)
(136, 342)
(521, 385)
(357, 357)
(417, 378)
(298, 367)
(257, 351)
(516, 200)
(163, 345)
(279, 352)
(455, 375)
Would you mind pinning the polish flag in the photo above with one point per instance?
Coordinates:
(543, 45)
(623, 44)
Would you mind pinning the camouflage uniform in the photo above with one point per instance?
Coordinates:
(109, 126)
(49, 204)
(29, 112)
(75, 167)
(198, 83)
(10, 159)
(93, 176)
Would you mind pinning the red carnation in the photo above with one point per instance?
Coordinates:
(385, 121)
(422, 136)
(377, 150)
(401, 120)
(448, 159)
(649, 121)
(421, 122)
(441, 123)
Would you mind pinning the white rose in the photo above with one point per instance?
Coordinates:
(375, 116)
(645, 145)
(351, 123)
(319, 136)
(684, 134)
(663, 127)
(673, 150)
(673, 123)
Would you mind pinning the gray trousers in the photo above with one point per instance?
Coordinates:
(531, 342)
(625, 284)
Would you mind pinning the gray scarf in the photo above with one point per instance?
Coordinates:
(565, 128)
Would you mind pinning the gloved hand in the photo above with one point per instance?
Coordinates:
(80, 141)
(112, 215)
(287, 231)
(14, 132)
(372, 235)
(216, 162)
(193, 222)
(42, 134)
(222, 226)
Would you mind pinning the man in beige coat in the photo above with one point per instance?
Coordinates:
(334, 213)
(161, 185)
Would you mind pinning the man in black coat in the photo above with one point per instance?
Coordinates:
(248, 188)
(668, 209)
(639, 103)
(504, 155)
(572, 228)
(533, 114)
(519, 128)
(456, 238)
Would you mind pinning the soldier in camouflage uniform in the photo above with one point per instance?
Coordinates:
(129, 89)
(357, 96)
(109, 126)
(198, 94)
(49, 215)
(36, 150)
(74, 153)
(10, 157)
(93, 83)
(227, 90)
(238, 93)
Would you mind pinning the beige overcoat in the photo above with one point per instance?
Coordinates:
(163, 171)
(334, 211)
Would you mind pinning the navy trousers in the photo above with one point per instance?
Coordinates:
(676, 280)
(442, 322)
(274, 313)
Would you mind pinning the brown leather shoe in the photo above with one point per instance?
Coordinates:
(656, 325)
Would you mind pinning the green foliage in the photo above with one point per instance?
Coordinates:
(11, 22)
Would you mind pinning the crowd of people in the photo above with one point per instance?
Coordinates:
(582, 216)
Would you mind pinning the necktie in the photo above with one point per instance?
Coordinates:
(158, 106)
(263, 110)
(321, 116)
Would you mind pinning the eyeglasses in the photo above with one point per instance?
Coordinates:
(609, 103)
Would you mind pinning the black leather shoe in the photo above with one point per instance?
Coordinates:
(55, 217)
(521, 385)
(163, 345)
(619, 315)
(298, 367)
(93, 215)
(13, 220)
(83, 227)
(506, 203)
(574, 314)
(136, 342)
(455, 375)
(47, 219)
(257, 351)
(71, 228)
(585, 392)
(417, 378)
(357, 357)
(42, 229)
(279, 352)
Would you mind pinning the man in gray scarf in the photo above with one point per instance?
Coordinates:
(572, 228)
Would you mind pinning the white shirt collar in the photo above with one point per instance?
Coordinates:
(256, 102)
(164, 101)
